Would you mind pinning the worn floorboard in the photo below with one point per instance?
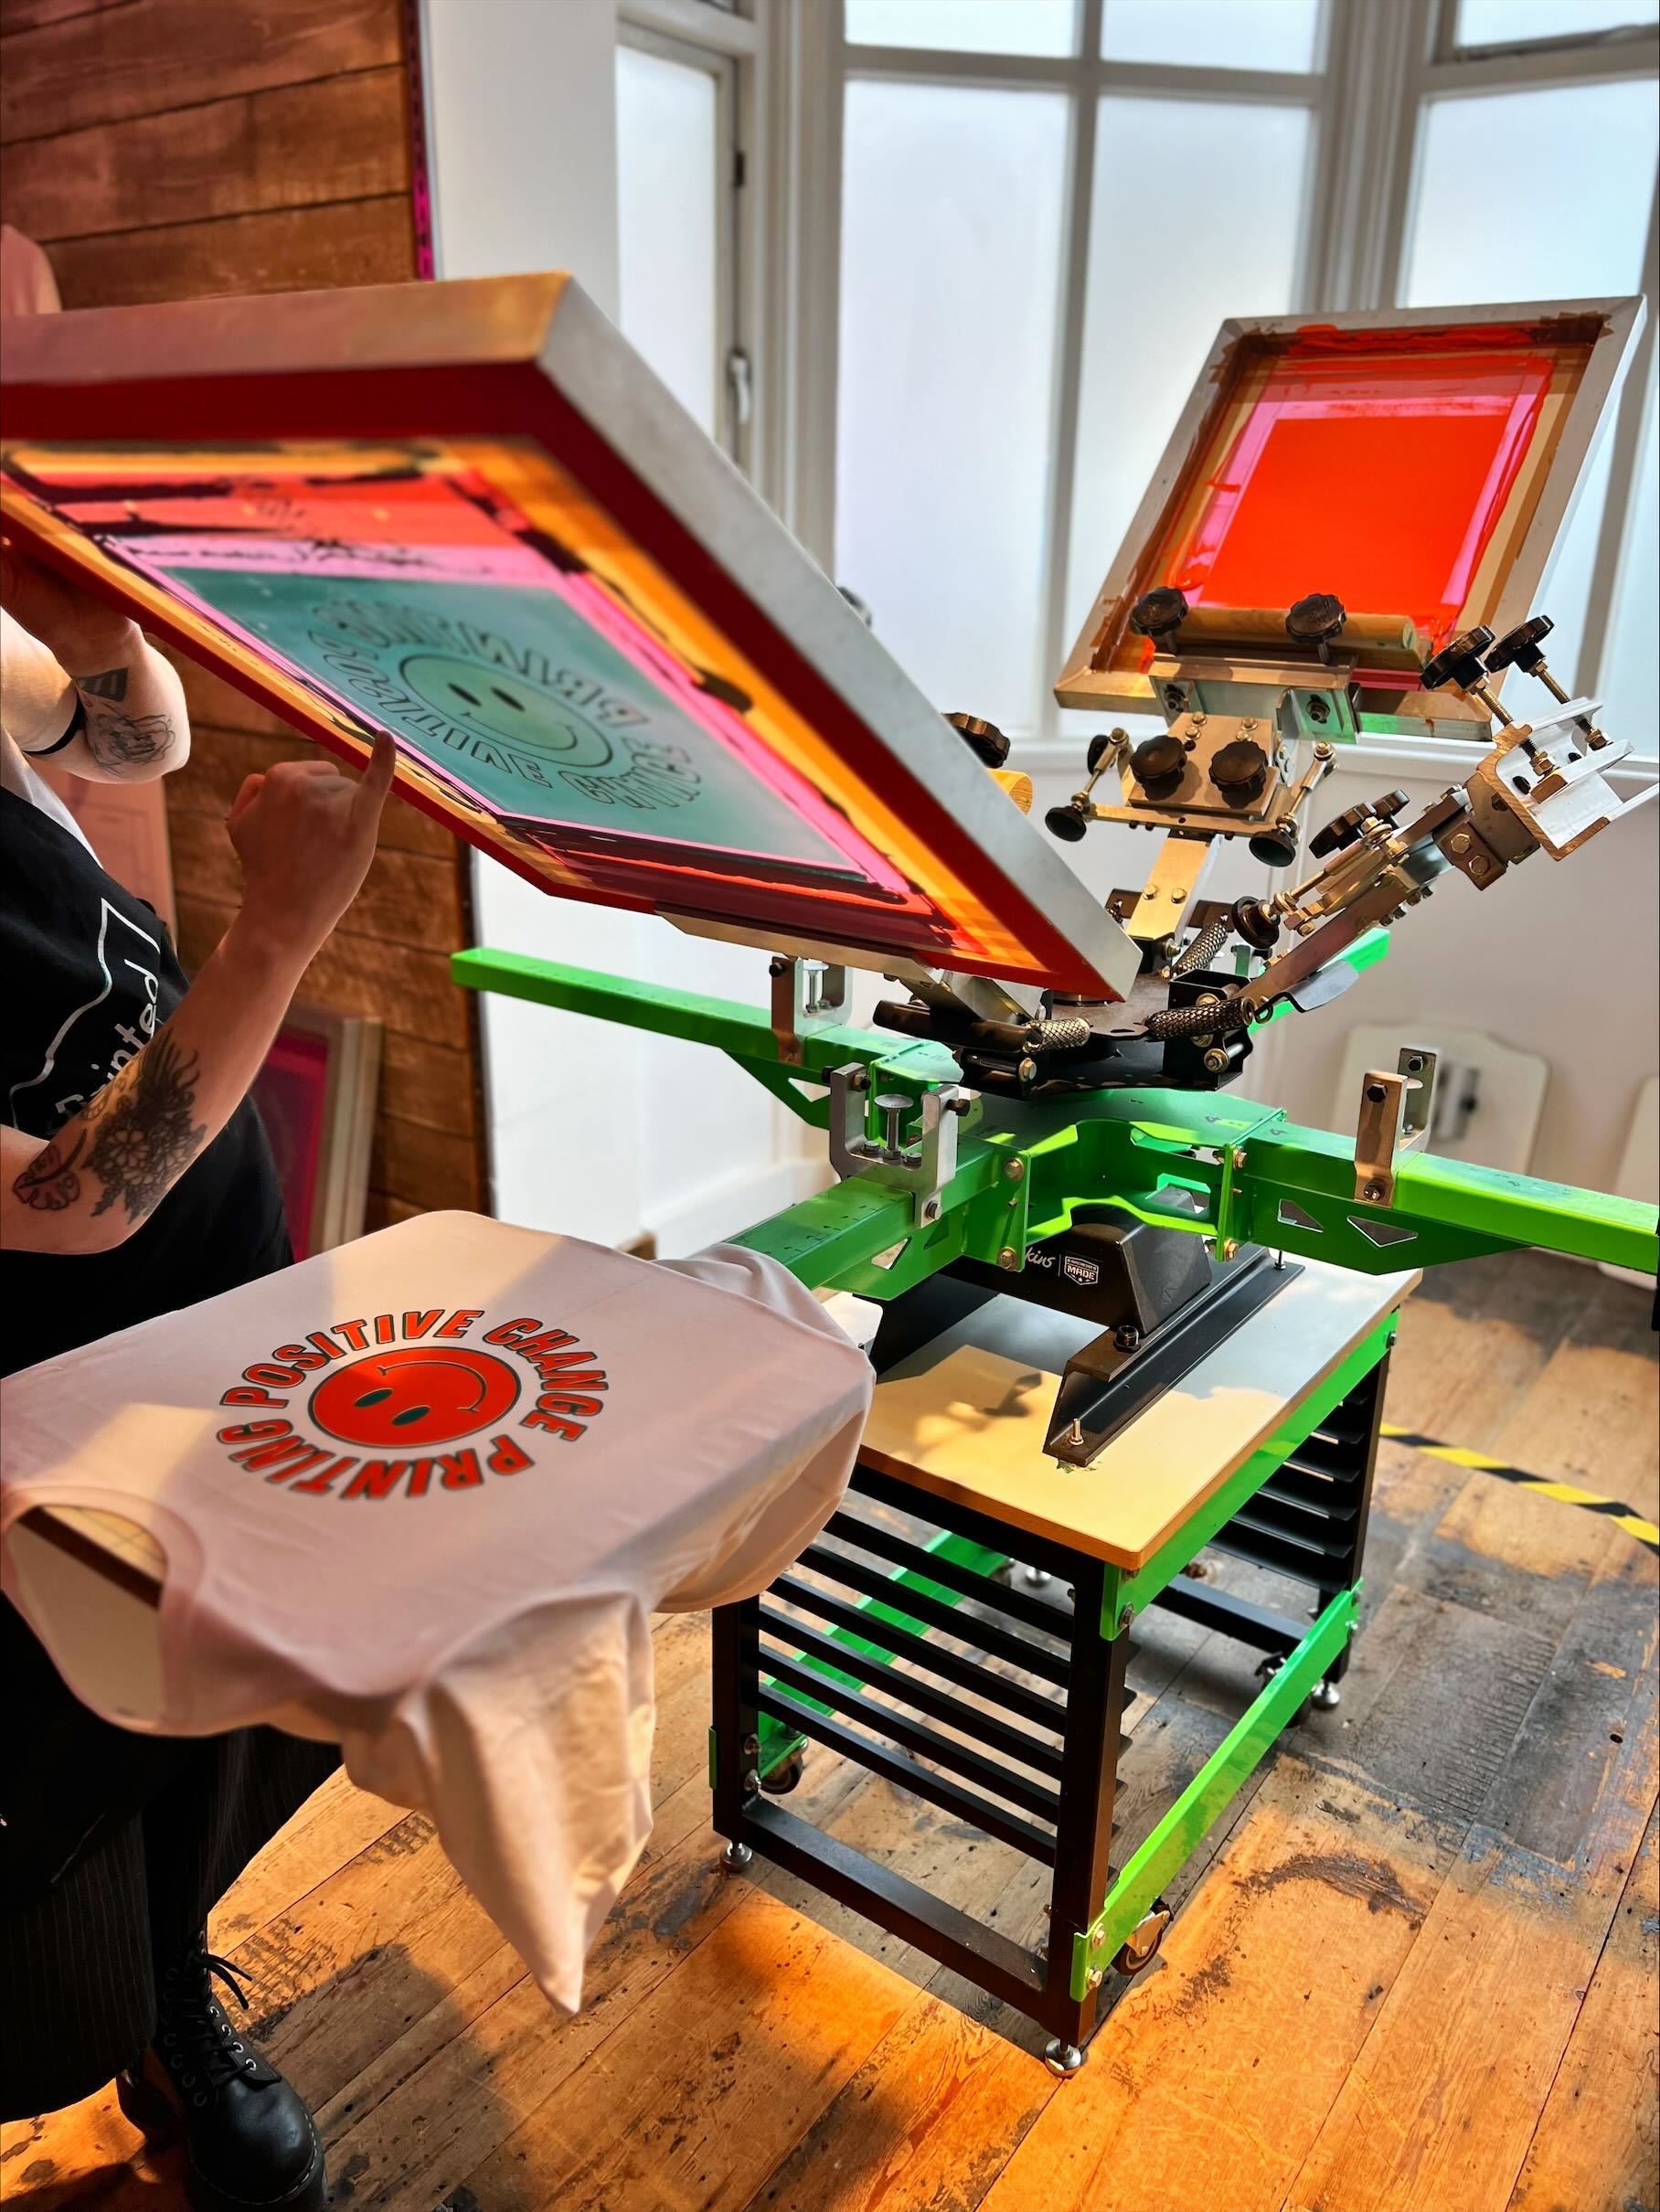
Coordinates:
(1414, 1969)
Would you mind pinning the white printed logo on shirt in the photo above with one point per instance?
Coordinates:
(437, 1413)
(86, 1058)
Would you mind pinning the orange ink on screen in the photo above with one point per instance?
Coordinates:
(1384, 487)
(1397, 468)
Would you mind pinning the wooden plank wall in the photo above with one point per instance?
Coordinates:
(165, 149)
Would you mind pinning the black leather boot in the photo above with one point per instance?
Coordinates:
(250, 2143)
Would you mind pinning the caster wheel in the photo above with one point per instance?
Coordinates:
(735, 1858)
(1325, 1697)
(1063, 2059)
(1145, 1943)
(779, 1781)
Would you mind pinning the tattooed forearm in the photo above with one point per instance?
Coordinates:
(127, 741)
(111, 685)
(50, 1182)
(145, 1138)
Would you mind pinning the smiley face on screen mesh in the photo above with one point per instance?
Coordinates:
(494, 702)
(418, 1394)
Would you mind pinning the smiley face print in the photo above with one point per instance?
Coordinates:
(416, 1396)
(496, 703)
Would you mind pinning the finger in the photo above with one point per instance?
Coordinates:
(251, 788)
(306, 771)
(377, 779)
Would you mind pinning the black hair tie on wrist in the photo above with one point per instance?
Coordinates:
(78, 722)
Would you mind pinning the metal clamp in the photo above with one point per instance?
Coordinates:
(807, 994)
(924, 1168)
(1396, 1111)
(1233, 1203)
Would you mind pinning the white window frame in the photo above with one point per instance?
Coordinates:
(700, 36)
(1378, 62)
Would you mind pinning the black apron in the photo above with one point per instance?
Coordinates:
(91, 973)
(114, 1845)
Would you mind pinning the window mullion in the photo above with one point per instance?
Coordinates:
(1068, 365)
(1368, 127)
(805, 82)
(1626, 431)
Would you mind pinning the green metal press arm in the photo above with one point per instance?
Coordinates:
(1198, 1161)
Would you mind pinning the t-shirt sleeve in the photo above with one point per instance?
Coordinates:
(37, 701)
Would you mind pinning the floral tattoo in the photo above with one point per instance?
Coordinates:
(145, 1137)
(50, 1182)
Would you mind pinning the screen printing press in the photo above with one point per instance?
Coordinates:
(1125, 1317)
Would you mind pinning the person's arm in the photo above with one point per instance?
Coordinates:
(305, 833)
(124, 720)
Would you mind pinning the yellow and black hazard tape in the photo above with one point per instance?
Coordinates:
(1542, 1486)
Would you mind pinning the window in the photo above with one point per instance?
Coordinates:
(1047, 207)
(947, 365)
(1149, 320)
(674, 277)
(967, 26)
(1011, 249)
(676, 224)
(1221, 34)
(1509, 22)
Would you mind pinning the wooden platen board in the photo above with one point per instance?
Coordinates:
(966, 1416)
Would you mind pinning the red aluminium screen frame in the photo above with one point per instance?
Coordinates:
(1324, 527)
(529, 360)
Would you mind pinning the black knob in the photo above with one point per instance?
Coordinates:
(1276, 847)
(1257, 924)
(1459, 663)
(1344, 829)
(1066, 824)
(1158, 761)
(1240, 770)
(982, 739)
(1316, 620)
(1519, 648)
(1100, 747)
(1158, 612)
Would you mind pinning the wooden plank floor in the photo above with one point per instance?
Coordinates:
(1417, 1976)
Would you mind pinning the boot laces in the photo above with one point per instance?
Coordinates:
(196, 2037)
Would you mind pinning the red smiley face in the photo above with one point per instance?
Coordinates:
(419, 1396)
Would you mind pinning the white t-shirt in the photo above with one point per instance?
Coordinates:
(421, 1495)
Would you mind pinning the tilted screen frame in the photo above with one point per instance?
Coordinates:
(1589, 413)
(531, 356)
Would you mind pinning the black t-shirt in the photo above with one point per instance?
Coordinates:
(90, 974)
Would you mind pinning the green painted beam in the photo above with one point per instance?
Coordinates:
(1473, 1207)
(1245, 1163)
(661, 1009)
(1208, 1794)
